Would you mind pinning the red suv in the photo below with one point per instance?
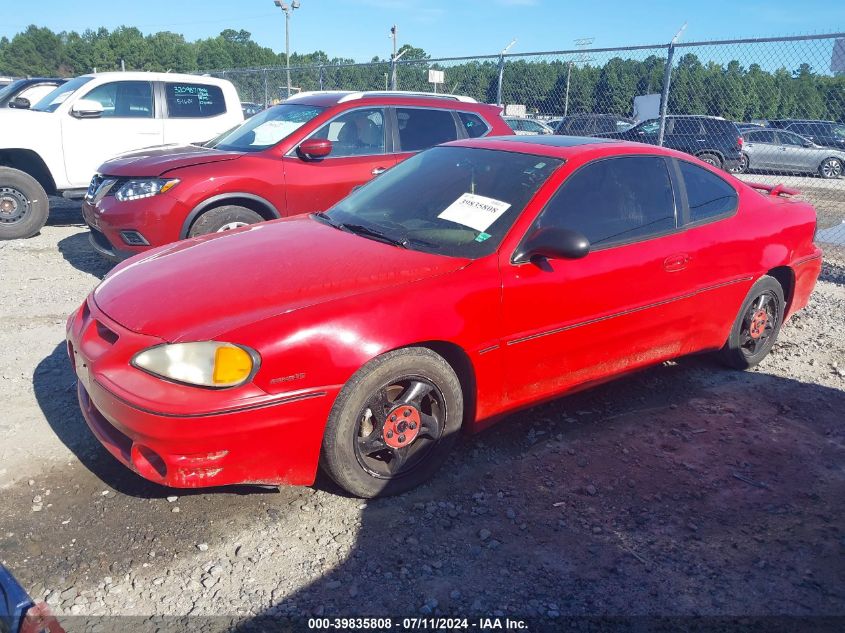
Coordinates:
(301, 156)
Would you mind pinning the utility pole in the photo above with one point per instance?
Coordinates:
(288, 9)
(394, 32)
(580, 43)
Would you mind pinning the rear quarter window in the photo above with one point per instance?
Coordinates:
(473, 125)
(193, 101)
(708, 195)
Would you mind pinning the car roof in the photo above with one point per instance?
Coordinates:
(139, 75)
(558, 146)
(326, 98)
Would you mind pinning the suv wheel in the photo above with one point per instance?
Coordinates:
(742, 167)
(23, 204)
(711, 159)
(223, 218)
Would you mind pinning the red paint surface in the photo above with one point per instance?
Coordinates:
(317, 304)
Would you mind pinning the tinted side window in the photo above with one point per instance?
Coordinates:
(708, 195)
(124, 99)
(760, 137)
(474, 125)
(615, 200)
(578, 126)
(193, 100)
(687, 127)
(421, 128)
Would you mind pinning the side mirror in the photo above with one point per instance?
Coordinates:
(553, 243)
(87, 109)
(808, 144)
(20, 103)
(314, 149)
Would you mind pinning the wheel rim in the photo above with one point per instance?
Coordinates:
(758, 323)
(14, 205)
(231, 225)
(710, 161)
(743, 164)
(831, 168)
(398, 427)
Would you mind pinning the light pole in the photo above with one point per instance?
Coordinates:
(580, 43)
(502, 71)
(288, 9)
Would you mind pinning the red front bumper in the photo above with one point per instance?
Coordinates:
(257, 439)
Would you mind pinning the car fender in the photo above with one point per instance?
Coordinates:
(323, 345)
(39, 133)
(221, 197)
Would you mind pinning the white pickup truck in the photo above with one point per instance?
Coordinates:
(56, 146)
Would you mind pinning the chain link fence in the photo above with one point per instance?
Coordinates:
(786, 95)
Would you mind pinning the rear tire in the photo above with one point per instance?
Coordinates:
(756, 326)
(24, 206)
(831, 168)
(222, 219)
(711, 159)
(742, 167)
(406, 406)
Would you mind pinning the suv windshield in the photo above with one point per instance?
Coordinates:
(266, 128)
(57, 97)
(479, 195)
(838, 130)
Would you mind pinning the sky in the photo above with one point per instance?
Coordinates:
(359, 29)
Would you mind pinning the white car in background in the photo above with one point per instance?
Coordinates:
(55, 146)
(527, 127)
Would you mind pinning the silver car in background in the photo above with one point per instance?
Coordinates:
(782, 151)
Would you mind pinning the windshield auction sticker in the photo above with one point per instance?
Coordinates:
(476, 212)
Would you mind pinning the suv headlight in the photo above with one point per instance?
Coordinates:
(204, 363)
(144, 188)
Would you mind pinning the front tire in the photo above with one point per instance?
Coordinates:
(393, 424)
(756, 326)
(24, 206)
(830, 168)
(222, 219)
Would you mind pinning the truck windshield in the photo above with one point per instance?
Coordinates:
(266, 128)
(57, 97)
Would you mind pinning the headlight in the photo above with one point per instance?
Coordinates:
(205, 363)
(144, 188)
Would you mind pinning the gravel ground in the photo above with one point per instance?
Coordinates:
(685, 489)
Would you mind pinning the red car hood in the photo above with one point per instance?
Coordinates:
(201, 288)
(156, 161)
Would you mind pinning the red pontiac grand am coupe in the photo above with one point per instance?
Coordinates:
(473, 279)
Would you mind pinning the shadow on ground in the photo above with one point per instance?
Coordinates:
(693, 492)
(79, 253)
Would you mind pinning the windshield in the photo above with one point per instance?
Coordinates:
(11, 88)
(57, 97)
(839, 130)
(479, 195)
(267, 128)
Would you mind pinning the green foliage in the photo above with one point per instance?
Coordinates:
(697, 86)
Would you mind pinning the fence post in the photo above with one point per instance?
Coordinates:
(667, 79)
(501, 76)
(266, 93)
(664, 96)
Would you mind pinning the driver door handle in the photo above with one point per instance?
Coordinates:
(378, 171)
